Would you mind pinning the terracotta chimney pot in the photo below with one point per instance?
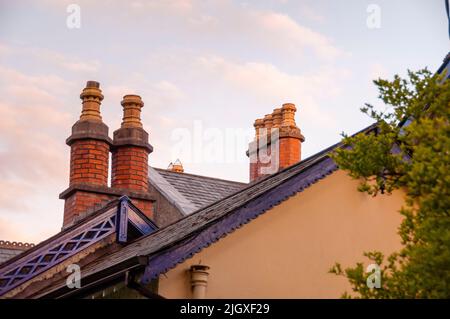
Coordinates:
(132, 105)
(288, 115)
(268, 123)
(91, 97)
(277, 117)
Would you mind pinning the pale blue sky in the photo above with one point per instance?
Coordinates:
(218, 64)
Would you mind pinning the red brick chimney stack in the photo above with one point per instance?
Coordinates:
(290, 137)
(254, 164)
(289, 142)
(89, 142)
(89, 158)
(89, 152)
(131, 149)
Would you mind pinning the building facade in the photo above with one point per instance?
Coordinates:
(164, 233)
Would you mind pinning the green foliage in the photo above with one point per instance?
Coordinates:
(414, 157)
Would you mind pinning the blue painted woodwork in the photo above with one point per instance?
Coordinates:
(122, 225)
(70, 242)
(55, 252)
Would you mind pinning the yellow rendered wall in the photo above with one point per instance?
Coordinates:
(287, 252)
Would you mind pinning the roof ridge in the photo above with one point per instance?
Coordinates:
(15, 245)
(185, 206)
(201, 176)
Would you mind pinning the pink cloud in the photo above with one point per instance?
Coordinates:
(32, 153)
(10, 231)
(272, 86)
(282, 29)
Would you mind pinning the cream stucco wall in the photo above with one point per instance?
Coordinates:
(287, 252)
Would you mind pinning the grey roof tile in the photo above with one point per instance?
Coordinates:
(190, 192)
(6, 254)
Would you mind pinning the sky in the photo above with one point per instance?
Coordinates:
(205, 71)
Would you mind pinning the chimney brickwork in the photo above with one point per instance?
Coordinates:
(89, 158)
(130, 153)
(255, 164)
(275, 132)
(89, 154)
(290, 137)
(131, 149)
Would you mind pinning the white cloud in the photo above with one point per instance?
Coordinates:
(174, 5)
(10, 191)
(160, 95)
(10, 231)
(67, 62)
(5, 50)
(228, 23)
(32, 120)
(282, 29)
(311, 14)
(270, 85)
(48, 82)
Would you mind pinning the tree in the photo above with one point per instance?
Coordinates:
(410, 149)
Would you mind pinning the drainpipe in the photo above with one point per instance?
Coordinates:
(199, 281)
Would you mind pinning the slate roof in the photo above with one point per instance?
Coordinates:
(9, 249)
(6, 253)
(173, 244)
(191, 192)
